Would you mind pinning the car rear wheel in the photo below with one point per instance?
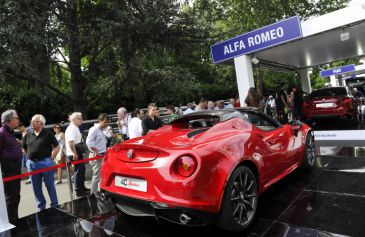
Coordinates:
(309, 152)
(240, 200)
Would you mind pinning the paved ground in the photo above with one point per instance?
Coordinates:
(328, 200)
(27, 202)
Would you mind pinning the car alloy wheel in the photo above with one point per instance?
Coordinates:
(240, 200)
(310, 153)
(243, 198)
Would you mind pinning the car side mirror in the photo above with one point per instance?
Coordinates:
(295, 126)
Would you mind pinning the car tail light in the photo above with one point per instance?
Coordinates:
(305, 104)
(347, 100)
(185, 166)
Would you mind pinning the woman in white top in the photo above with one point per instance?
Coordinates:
(135, 124)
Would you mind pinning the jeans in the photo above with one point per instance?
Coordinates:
(48, 178)
(79, 174)
(11, 167)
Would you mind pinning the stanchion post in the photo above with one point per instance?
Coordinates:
(68, 168)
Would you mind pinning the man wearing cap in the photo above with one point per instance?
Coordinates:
(10, 159)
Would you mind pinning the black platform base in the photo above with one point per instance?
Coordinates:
(327, 201)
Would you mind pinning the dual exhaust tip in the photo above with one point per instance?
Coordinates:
(183, 218)
(104, 196)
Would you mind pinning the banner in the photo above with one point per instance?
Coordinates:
(256, 40)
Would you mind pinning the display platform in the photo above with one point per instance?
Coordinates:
(326, 201)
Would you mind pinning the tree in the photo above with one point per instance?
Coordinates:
(94, 56)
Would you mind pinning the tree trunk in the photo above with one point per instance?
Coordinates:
(43, 68)
(78, 85)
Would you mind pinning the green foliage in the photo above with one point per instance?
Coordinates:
(101, 55)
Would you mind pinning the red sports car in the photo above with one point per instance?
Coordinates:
(333, 102)
(205, 167)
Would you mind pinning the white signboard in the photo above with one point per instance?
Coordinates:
(4, 221)
(340, 135)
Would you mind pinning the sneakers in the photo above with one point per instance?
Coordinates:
(28, 181)
(58, 182)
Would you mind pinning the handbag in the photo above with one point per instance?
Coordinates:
(80, 148)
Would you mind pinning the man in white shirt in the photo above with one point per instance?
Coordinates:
(123, 119)
(96, 142)
(189, 109)
(220, 105)
(272, 106)
(135, 124)
(202, 106)
(74, 151)
(232, 101)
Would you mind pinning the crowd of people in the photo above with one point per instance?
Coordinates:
(39, 148)
(282, 106)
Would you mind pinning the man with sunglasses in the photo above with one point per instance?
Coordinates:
(10, 159)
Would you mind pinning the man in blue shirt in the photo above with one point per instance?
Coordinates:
(10, 159)
(96, 142)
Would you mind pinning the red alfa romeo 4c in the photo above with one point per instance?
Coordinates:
(205, 167)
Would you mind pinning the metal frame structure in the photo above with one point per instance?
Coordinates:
(328, 38)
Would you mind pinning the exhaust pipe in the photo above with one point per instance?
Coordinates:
(104, 196)
(184, 219)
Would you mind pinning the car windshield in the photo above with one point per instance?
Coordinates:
(205, 119)
(338, 91)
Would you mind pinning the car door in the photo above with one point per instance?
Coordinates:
(270, 144)
(277, 142)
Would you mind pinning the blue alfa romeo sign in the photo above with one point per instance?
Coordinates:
(274, 34)
(338, 70)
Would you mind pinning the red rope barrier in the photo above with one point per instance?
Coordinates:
(86, 160)
(54, 167)
(7, 179)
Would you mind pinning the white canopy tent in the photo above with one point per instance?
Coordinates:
(328, 38)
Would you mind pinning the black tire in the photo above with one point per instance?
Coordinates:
(239, 203)
(309, 158)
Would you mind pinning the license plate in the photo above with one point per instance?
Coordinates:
(324, 105)
(130, 183)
